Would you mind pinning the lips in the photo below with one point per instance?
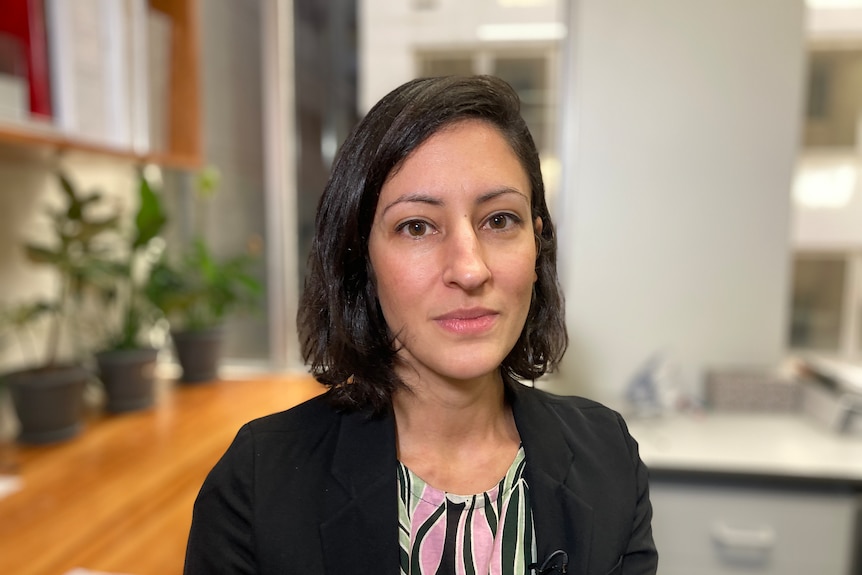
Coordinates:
(468, 321)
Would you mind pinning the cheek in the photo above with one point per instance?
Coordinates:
(517, 270)
(401, 283)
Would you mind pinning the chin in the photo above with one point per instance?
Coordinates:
(469, 368)
(465, 361)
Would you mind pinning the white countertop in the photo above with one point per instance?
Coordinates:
(782, 445)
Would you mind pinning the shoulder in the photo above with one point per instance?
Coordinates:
(565, 401)
(569, 407)
(582, 407)
(314, 413)
(581, 421)
(294, 432)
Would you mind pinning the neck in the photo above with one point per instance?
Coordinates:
(459, 437)
(448, 411)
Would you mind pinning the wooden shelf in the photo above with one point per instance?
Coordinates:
(184, 134)
(184, 146)
(40, 142)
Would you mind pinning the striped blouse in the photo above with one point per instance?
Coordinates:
(490, 533)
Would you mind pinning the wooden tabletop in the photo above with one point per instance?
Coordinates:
(118, 497)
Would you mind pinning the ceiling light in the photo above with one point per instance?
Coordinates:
(830, 4)
(825, 186)
(521, 32)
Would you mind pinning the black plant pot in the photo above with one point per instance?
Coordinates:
(49, 402)
(129, 378)
(199, 353)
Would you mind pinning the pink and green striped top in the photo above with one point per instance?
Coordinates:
(490, 533)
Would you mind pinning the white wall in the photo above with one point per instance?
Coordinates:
(675, 222)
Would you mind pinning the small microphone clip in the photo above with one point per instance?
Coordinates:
(547, 567)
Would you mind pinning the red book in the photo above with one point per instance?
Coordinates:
(25, 21)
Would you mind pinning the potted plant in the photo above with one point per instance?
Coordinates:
(127, 359)
(48, 397)
(196, 291)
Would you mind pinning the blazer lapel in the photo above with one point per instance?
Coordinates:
(359, 533)
(562, 519)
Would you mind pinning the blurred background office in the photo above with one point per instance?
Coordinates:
(702, 160)
(682, 162)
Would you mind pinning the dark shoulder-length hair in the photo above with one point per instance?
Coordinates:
(343, 334)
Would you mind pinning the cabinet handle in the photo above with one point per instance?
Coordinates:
(760, 539)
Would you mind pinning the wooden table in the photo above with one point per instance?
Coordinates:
(118, 497)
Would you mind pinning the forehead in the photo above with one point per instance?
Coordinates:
(467, 155)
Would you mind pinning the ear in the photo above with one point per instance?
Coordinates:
(537, 231)
(369, 271)
(538, 225)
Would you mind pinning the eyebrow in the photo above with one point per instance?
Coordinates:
(421, 198)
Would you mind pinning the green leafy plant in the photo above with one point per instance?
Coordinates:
(123, 285)
(101, 279)
(78, 254)
(16, 324)
(197, 290)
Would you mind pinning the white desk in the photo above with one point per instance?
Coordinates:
(788, 446)
(761, 494)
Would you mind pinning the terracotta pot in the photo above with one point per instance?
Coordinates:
(49, 402)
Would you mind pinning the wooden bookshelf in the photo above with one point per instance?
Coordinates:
(184, 136)
(184, 146)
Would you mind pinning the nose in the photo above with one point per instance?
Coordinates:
(465, 264)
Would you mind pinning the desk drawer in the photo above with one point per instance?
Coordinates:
(716, 529)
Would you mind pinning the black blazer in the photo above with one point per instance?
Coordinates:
(314, 491)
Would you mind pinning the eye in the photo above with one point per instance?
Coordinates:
(414, 228)
(502, 221)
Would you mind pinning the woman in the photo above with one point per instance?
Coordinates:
(432, 287)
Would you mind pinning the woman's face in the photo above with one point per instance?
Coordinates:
(453, 251)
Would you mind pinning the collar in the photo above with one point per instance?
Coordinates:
(360, 533)
(563, 520)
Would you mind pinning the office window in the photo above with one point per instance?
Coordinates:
(446, 65)
(528, 72)
(818, 302)
(834, 98)
(530, 78)
(826, 288)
